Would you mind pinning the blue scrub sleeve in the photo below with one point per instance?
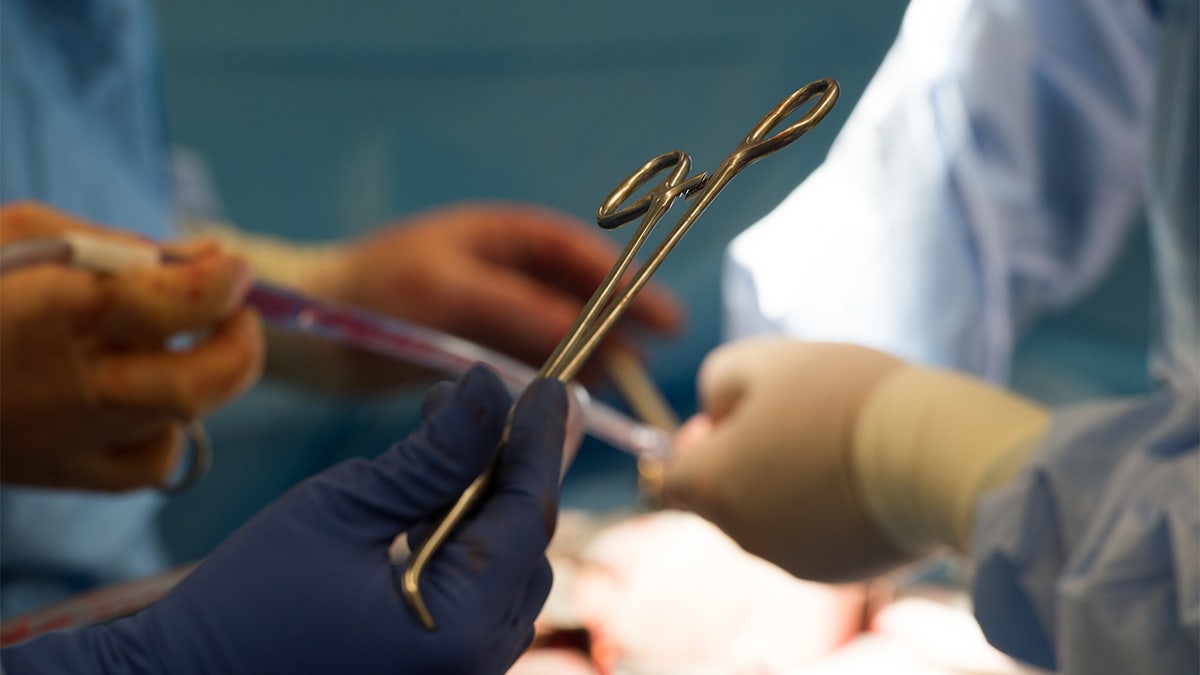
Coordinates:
(1089, 561)
(307, 585)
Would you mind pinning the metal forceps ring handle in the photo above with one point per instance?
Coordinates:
(605, 306)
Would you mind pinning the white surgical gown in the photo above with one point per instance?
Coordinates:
(990, 175)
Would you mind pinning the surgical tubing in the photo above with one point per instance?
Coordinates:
(443, 353)
(372, 332)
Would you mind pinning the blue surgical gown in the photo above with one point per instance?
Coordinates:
(990, 175)
(82, 129)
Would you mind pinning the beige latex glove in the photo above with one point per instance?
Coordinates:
(89, 395)
(768, 460)
(511, 277)
(833, 461)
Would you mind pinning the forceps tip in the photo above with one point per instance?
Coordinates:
(411, 587)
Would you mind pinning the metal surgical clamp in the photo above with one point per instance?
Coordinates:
(607, 305)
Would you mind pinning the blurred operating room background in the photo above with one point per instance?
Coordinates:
(320, 120)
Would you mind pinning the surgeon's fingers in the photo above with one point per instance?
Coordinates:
(527, 602)
(692, 477)
(184, 384)
(50, 297)
(534, 593)
(33, 220)
(146, 464)
(188, 249)
(147, 461)
(438, 396)
(514, 314)
(727, 373)
(145, 307)
(509, 535)
(691, 433)
(577, 259)
(678, 482)
(426, 472)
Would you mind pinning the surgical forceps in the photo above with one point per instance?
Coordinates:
(606, 306)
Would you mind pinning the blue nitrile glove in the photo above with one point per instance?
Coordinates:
(307, 587)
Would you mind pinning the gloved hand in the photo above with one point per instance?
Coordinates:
(838, 462)
(307, 587)
(767, 460)
(90, 395)
(511, 277)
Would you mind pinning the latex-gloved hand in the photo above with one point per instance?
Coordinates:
(90, 395)
(767, 461)
(838, 462)
(511, 277)
(307, 587)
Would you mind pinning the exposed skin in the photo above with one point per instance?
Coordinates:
(90, 395)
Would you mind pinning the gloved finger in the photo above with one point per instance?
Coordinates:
(513, 312)
(504, 541)
(148, 464)
(692, 478)
(147, 306)
(576, 427)
(436, 398)
(503, 649)
(418, 533)
(527, 604)
(533, 593)
(30, 220)
(727, 371)
(51, 295)
(520, 647)
(184, 384)
(693, 431)
(568, 255)
(677, 471)
(141, 464)
(426, 472)
(695, 476)
(196, 247)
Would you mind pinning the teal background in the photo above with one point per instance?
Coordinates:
(321, 120)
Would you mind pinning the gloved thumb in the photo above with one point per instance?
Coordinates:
(428, 471)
